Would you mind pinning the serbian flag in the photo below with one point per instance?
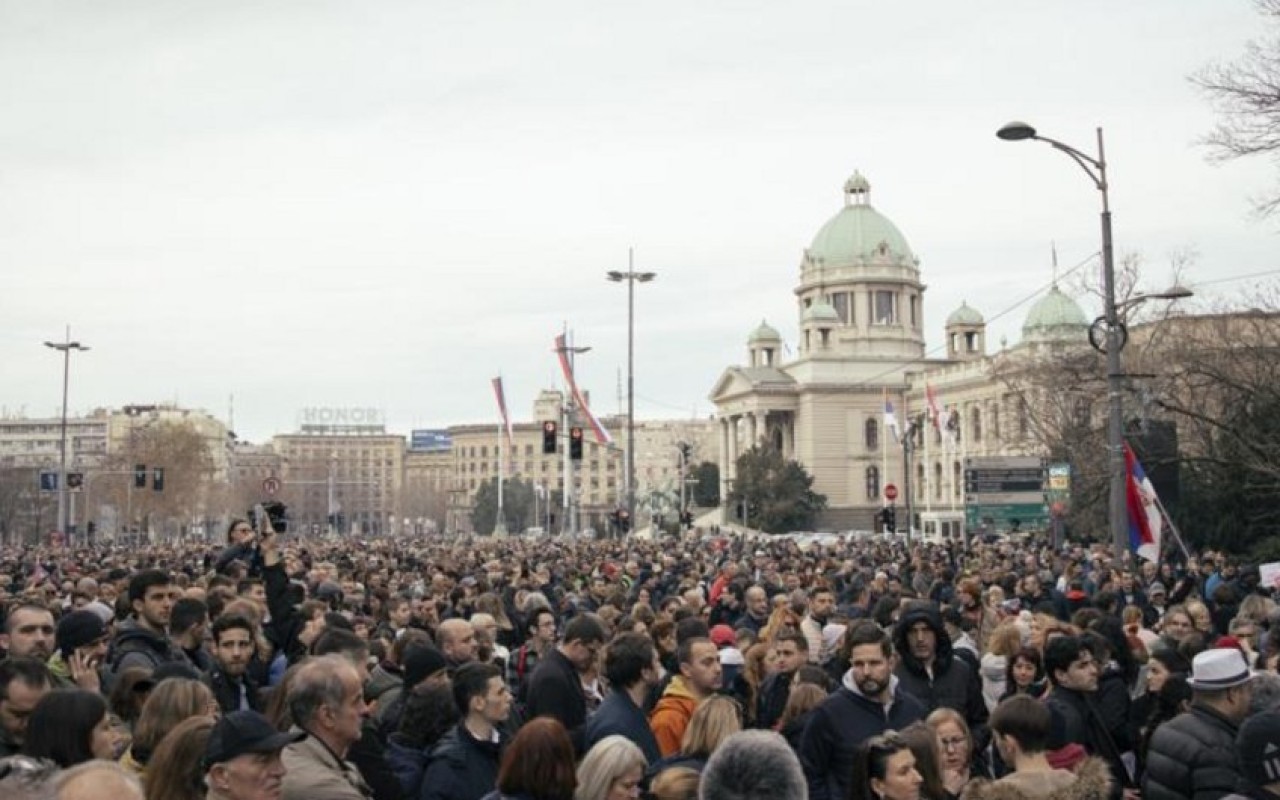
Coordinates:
(891, 420)
(1145, 518)
(506, 418)
(602, 435)
(935, 410)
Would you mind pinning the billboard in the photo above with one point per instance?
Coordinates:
(430, 440)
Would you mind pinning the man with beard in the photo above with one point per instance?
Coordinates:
(868, 702)
(233, 648)
(757, 612)
(822, 601)
(28, 632)
(792, 650)
(143, 639)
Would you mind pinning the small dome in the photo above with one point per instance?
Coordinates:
(764, 333)
(1055, 317)
(858, 231)
(965, 315)
(821, 312)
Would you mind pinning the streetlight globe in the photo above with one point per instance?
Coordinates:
(1016, 132)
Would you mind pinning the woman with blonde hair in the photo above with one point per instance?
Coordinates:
(1006, 641)
(959, 761)
(506, 635)
(754, 670)
(782, 617)
(173, 701)
(612, 770)
(716, 719)
(803, 698)
(677, 783)
(176, 768)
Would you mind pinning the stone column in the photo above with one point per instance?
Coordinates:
(724, 461)
(753, 430)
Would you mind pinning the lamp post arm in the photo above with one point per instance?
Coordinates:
(1095, 168)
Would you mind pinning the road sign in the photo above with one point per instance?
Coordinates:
(890, 492)
(1002, 517)
(271, 485)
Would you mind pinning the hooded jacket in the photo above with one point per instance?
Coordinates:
(670, 717)
(136, 646)
(952, 684)
(1092, 782)
(842, 722)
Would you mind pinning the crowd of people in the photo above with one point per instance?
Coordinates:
(702, 667)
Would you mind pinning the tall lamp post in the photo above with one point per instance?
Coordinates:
(65, 347)
(631, 276)
(1112, 336)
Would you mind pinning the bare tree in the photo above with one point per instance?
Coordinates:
(1246, 93)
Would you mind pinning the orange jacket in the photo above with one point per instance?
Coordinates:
(670, 716)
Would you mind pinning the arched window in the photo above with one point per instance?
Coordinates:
(975, 423)
(957, 481)
(873, 483)
(871, 433)
(995, 421)
(937, 481)
(920, 479)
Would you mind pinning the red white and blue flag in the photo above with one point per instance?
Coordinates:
(1145, 516)
(602, 435)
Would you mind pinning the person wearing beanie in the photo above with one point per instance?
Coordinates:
(80, 648)
(1259, 746)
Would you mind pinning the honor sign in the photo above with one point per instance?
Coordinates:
(341, 421)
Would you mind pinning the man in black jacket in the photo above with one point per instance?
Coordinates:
(931, 673)
(1193, 755)
(233, 648)
(1072, 671)
(555, 688)
(464, 765)
(632, 669)
(791, 648)
(869, 701)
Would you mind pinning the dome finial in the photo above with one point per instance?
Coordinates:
(1053, 252)
(857, 191)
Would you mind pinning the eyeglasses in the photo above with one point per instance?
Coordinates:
(953, 742)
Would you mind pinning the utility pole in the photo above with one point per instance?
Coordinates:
(65, 347)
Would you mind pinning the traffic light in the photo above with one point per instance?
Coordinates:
(575, 443)
(157, 479)
(889, 518)
(548, 438)
(139, 476)
(75, 480)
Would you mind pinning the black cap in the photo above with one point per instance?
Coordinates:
(78, 629)
(1259, 745)
(242, 732)
(421, 662)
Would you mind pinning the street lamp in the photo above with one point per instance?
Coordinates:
(65, 347)
(1112, 334)
(631, 276)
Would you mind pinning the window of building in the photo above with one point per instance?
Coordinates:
(914, 300)
(840, 301)
(871, 433)
(884, 307)
(971, 342)
(957, 480)
(975, 424)
(995, 421)
(937, 481)
(873, 483)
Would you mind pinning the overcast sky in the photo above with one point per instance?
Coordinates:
(385, 204)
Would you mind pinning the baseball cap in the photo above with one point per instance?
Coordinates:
(1259, 746)
(723, 636)
(243, 732)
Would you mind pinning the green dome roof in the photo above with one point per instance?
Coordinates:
(858, 230)
(821, 312)
(764, 333)
(1055, 317)
(965, 315)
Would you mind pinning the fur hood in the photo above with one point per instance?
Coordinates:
(1093, 782)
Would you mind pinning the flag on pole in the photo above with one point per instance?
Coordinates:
(506, 418)
(891, 421)
(935, 410)
(951, 425)
(1145, 518)
(602, 435)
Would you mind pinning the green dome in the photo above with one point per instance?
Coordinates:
(965, 315)
(1055, 317)
(858, 231)
(821, 312)
(764, 333)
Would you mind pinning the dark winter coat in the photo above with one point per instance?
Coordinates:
(954, 683)
(618, 715)
(460, 767)
(839, 724)
(136, 646)
(227, 691)
(407, 762)
(772, 699)
(1192, 756)
(555, 690)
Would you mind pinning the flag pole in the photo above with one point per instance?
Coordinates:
(1168, 520)
(884, 444)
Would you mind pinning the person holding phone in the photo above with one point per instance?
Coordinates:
(80, 649)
